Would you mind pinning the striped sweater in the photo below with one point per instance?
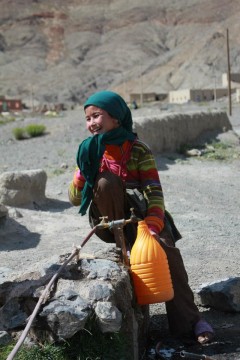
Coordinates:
(136, 166)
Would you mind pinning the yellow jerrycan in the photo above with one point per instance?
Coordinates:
(149, 269)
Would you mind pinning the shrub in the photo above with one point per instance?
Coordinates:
(18, 133)
(31, 130)
(34, 130)
(43, 352)
(84, 345)
(183, 148)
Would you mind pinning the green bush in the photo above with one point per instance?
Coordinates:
(43, 352)
(31, 130)
(18, 133)
(91, 344)
(85, 345)
(34, 130)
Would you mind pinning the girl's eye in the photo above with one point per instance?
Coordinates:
(93, 116)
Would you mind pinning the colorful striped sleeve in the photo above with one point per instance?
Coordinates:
(143, 164)
(75, 188)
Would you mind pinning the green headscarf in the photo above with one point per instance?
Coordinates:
(114, 105)
(92, 149)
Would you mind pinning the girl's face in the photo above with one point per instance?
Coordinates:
(99, 121)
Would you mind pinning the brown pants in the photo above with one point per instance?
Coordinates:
(110, 199)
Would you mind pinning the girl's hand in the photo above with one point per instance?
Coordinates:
(78, 179)
(153, 231)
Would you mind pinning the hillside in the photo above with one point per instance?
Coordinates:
(58, 51)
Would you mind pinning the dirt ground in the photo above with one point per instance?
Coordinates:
(202, 195)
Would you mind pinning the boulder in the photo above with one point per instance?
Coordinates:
(109, 317)
(222, 295)
(3, 211)
(3, 215)
(66, 314)
(5, 338)
(23, 187)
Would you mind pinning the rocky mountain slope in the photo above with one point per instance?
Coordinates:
(61, 51)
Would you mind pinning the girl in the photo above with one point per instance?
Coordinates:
(116, 171)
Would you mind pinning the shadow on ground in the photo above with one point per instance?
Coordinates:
(14, 236)
(225, 345)
(53, 205)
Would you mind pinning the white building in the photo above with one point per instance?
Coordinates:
(197, 95)
(238, 95)
(235, 80)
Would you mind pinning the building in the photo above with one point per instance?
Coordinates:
(235, 80)
(238, 95)
(197, 95)
(146, 97)
(10, 104)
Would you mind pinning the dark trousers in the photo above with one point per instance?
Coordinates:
(111, 199)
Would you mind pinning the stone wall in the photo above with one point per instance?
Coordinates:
(169, 132)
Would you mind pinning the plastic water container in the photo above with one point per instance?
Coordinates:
(149, 269)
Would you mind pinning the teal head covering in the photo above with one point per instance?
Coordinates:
(114, 105)
(92, 149)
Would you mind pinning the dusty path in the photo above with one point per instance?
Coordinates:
(203, 197)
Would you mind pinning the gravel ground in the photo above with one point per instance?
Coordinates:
(203, 197)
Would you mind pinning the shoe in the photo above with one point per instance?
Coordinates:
(203, 332)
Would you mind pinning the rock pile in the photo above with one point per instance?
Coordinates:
(90, 288)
